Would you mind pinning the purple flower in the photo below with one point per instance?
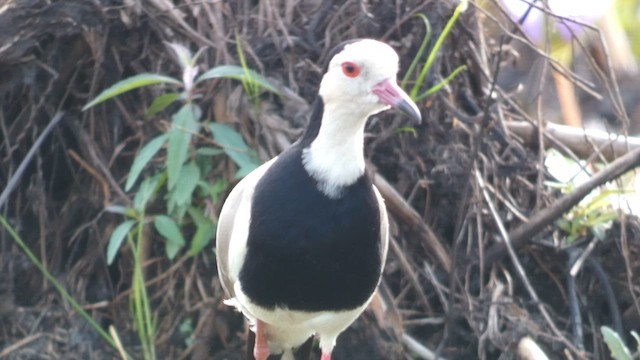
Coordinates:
(583, 11)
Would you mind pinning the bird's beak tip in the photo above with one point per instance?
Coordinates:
(391, 94)
(410, 108)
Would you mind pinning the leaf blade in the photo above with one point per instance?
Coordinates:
(234, 146)
(130, 83)
(238, 73)
(187, 181)
(161, 102)
(618, 349)
(117, 238)
(142, 159)
(184, 124)
(171, 232)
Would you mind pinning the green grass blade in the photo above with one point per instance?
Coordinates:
(146, 154)
(238, 73)
(251, 88)
(436, 47)
(423, 47)
(131, 83)
(63, 292)
(440, 85)
(141, 306)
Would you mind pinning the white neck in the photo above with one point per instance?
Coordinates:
(335, 159)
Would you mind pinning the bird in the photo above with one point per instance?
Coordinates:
(302, 240)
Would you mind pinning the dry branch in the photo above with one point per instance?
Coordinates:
(538, 221)
(398, 206)
(11, 184)
(583, 142)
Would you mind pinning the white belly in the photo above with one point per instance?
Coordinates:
(286, 329)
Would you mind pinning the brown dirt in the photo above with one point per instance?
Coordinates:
(458, 302)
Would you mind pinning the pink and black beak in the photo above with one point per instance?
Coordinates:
(389, 93)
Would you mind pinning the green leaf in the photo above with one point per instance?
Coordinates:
(209, 151)
(214, 190)
(161, 102)
(234, 146)
(116, 239)
(185, 124)
(198, 216)
(121, 210)
(204, 232)
(238, 73)
(187, 181)
(201, 238)
(617, 347)
(564, 225)
(148, 189)
(131, 83)
(171, 232)
(421, 49)
(142, 159)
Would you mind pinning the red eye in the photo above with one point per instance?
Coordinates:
(350, 69)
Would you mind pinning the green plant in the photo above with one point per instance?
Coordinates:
(56, 284)
(596, 212)
(180, 178)
(418, 85)
(595, 215)
(619, 350)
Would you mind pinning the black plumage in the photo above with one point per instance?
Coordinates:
(307, 251)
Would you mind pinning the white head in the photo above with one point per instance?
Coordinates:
(360, 81)
(362, 78)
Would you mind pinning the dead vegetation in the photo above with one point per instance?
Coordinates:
(476, 261)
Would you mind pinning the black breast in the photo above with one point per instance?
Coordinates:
(306, 251)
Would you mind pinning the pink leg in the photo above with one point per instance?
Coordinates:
(260, 349)
(326, 356)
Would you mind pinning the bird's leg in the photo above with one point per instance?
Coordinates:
(326, 356)
(261, 348)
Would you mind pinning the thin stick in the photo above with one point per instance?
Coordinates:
(418, 349)
(399, 207)
(408, 270)
(17, 345)
(27, 159)
(519, 269)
